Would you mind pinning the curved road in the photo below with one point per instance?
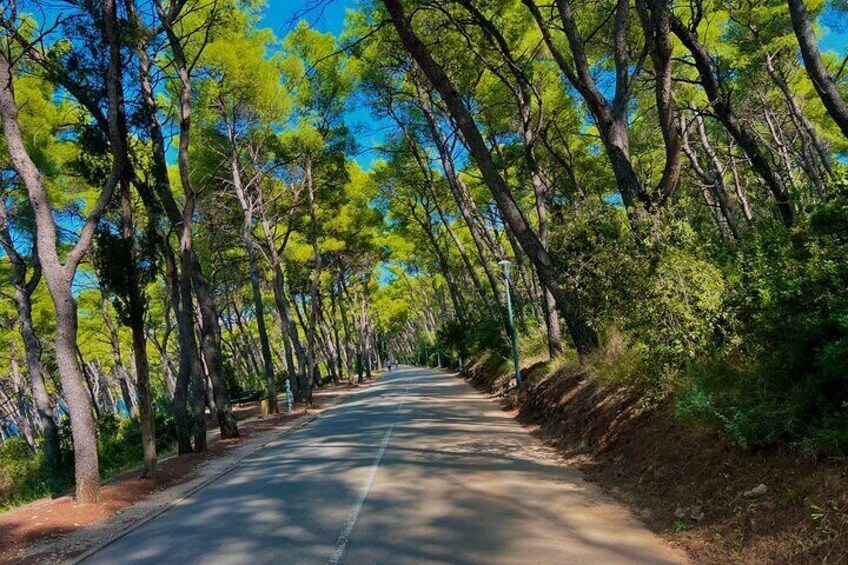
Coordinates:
(417, 469)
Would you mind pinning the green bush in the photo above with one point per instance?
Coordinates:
(785, 378)
(24, 475)
(119, 439)
(753, 338)
(664, 293)
(21, 474)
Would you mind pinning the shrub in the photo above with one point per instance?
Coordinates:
(784, 379)
(664, 293)
(20, 473)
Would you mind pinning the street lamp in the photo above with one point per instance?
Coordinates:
(505, 265)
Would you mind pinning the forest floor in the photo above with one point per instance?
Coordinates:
(690, 485)
(52, 530)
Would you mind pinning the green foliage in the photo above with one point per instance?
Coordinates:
(23, 475)
(119, 439)
(785, 380)
(483, 332)
(664, 292)
(754, 341)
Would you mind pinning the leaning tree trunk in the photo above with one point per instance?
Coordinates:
(822, 81)
(18, 401)
(464, 202)
(723, 110)
(59, 278)
(583, 336)
(610, 118)
(43, 407)
(541, 189)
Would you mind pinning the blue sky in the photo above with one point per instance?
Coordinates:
(282, 15)
(328, 16)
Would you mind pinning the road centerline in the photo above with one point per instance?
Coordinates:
(344, 536)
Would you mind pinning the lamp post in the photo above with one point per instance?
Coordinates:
(505, 265)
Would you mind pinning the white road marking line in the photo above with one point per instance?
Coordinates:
(344, 537)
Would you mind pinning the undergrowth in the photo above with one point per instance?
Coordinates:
(25, 476)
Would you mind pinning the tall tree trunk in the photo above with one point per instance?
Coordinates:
(348, 337)
(59, 278)
(335, 328)
(197, 375)
(583, 336)
(258, 306)
(304, 378)
(719, 100)
(210, 339)
(187, 351)
(86, 472)
(285, 309)
(522, 91)
(315, 298)
(357, 340)
(291, 340)
(136, 303)
(32, 344)
(190, 274)
(366, 338)
(822, 81)
(135, 300)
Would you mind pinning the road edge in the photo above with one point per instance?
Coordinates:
(121, 533)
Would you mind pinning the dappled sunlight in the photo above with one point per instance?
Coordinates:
(459, 482)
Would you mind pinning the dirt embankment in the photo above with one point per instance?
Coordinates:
(690, 485)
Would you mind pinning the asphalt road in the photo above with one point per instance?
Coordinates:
(418, 469)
